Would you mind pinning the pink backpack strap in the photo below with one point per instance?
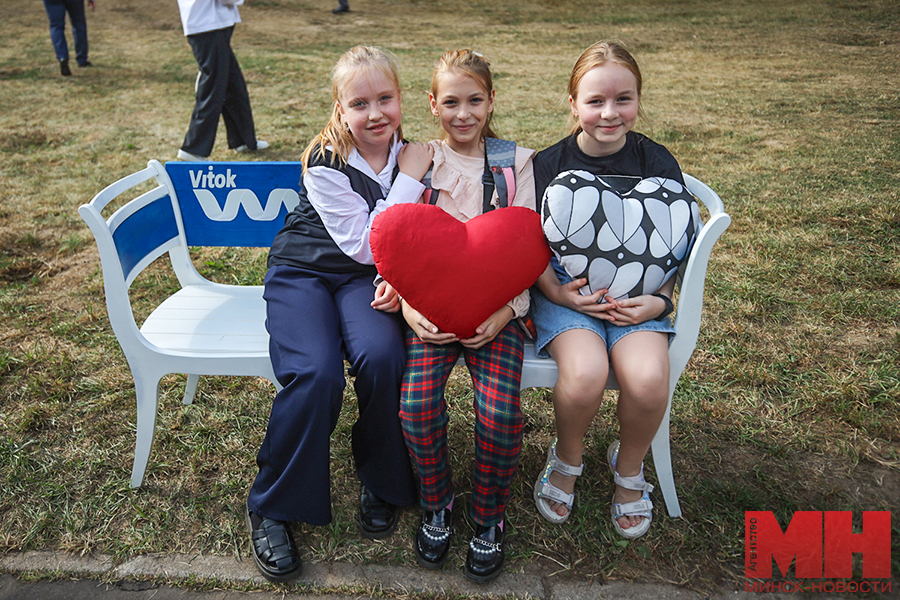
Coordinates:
(509, 173)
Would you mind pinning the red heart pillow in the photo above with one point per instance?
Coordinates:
(458, 274)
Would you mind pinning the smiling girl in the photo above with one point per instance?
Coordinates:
(462, 99)
(589, 334)
(322, 307)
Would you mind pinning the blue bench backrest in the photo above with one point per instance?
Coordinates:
(234, 203)
(143, 233)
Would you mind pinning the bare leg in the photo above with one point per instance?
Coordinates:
(641, 363)
(583, 370)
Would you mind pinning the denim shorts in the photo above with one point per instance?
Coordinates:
(551, 319)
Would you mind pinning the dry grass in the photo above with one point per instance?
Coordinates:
(788, 109)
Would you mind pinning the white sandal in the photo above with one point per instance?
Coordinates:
(638, 508)
(544, 490)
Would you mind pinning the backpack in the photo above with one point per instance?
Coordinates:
(499, 173)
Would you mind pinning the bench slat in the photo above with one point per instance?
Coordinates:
(243, 345)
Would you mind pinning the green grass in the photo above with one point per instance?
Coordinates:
(789, 110)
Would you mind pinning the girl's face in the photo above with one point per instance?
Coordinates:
(370, 107)
(607, 108)
(463, 106)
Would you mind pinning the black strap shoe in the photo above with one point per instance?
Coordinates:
(64, 69)
(273, 547)
(432, 541)
(377, 518)
(484, 561)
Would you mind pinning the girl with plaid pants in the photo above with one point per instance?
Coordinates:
(462, 98)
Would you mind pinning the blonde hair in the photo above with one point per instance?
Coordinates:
(471, 63)
(356, 62)
(598, 55)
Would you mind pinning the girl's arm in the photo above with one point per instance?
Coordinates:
(386, 298)
(488, 330)
(519, 305)
(423, 328)
(345, 213)
(631, 311)
(567, 295)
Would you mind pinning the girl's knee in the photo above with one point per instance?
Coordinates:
(644, 377)
(421, 404)
(583, 382)
(317, 379)
(500, 413)
(647, 392)
(654, 375)
(388, 360)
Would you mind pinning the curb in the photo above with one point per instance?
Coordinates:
(320, 577)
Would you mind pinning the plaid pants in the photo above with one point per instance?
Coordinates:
(496, 370)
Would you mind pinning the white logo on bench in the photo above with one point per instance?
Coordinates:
(199, 179)
(249, 201)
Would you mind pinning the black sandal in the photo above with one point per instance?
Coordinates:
(274, 550)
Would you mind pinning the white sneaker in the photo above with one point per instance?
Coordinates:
(182, 155)
(260, 145)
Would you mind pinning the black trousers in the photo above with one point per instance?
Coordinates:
(221, 90)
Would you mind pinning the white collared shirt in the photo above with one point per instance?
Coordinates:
(345, 213)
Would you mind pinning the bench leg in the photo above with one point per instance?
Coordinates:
(147, 391)
(190, 389)
(662, 461)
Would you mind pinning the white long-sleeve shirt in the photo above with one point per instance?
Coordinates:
(345, 213)
(200, 16)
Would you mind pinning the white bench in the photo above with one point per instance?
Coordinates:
(207, 328)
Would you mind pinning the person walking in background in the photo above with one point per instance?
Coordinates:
(342, 7)
(221, 89)
(56, 12)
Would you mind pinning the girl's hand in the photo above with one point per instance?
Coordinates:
(414, 159)
(631, 311)
(567, 295)
(425, 329)
(386, 298)
(488, 330)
